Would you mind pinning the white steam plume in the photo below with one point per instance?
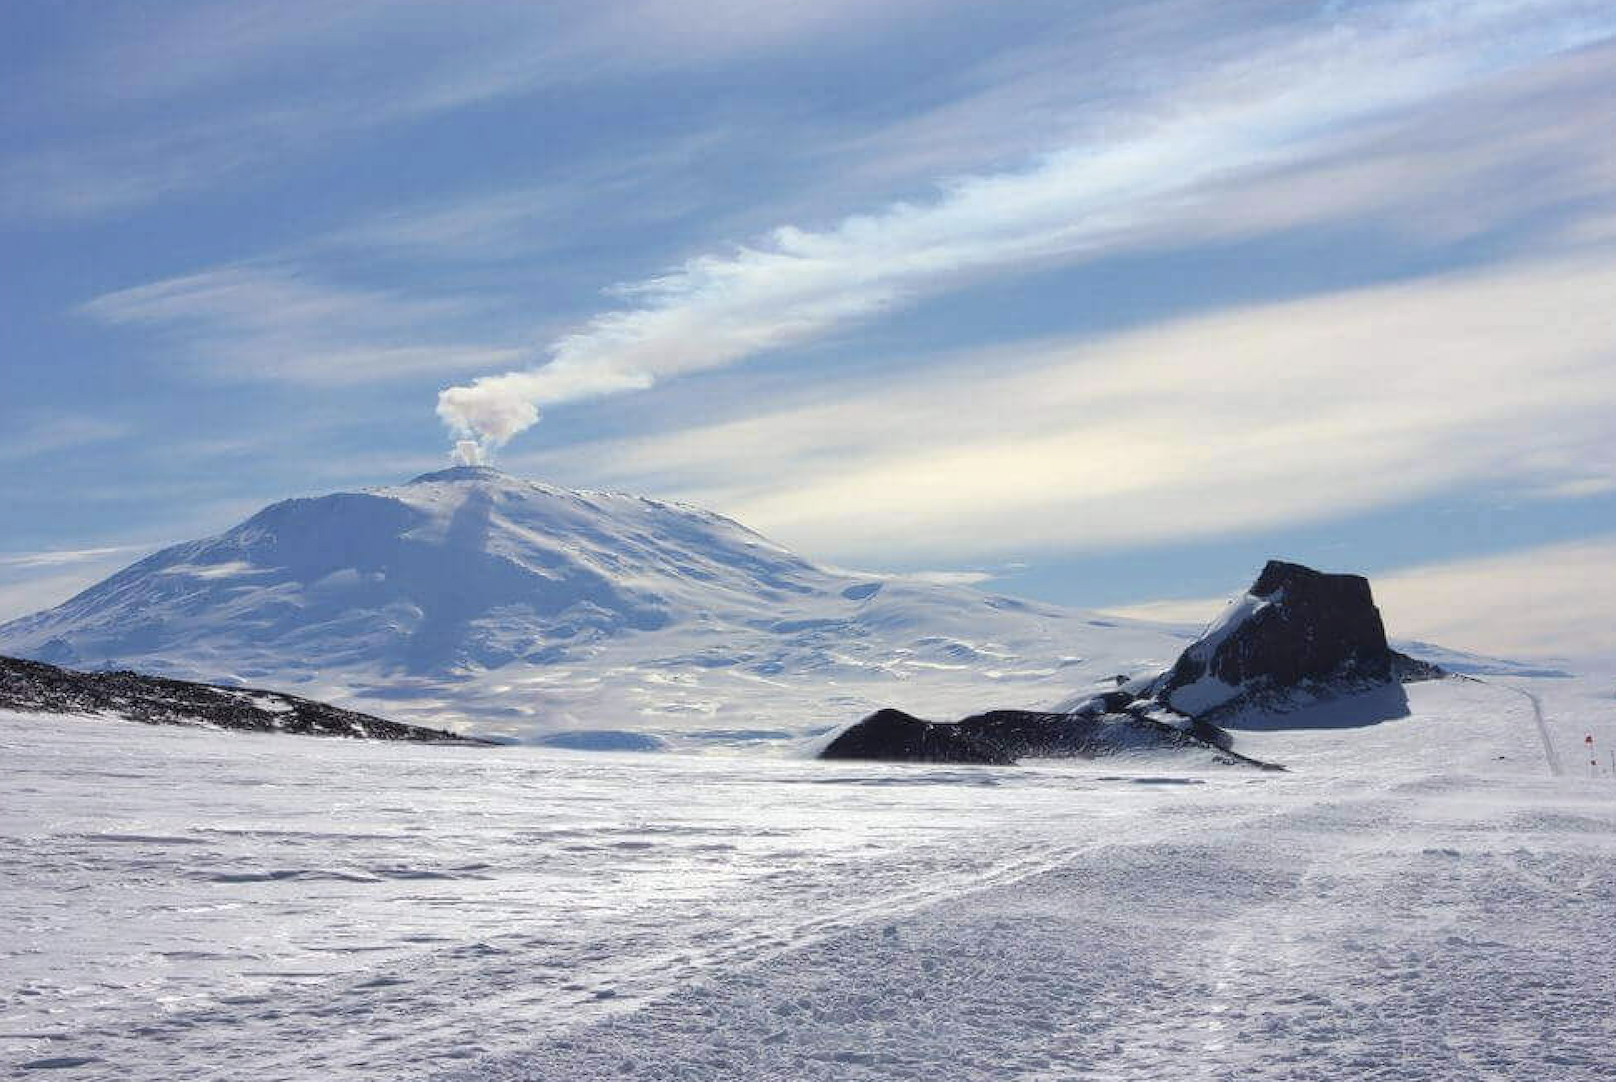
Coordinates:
(1266, 112)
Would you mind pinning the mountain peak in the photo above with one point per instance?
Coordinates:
(473, 597)
(1296, 637)
(458, 571)
(1280, 576)
(462, 473)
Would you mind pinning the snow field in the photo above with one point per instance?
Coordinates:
(1418, 899)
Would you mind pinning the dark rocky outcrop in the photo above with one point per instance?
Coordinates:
(1296, 638)
(893, 736)
(34, 687)
(1001, 737)
(1298, 635)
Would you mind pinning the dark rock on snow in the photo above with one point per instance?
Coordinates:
(1000, 737)
(34, 687)
(1297, 637)
(893, 736)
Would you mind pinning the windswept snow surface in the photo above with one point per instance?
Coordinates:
(1417, 899)
(472, 600)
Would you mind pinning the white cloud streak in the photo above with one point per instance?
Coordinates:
(30, 581)
(1191, 611)
(1228, 423)
(59, 557)
(268, 322)
(1259, 116)
(48, 434)
(35, 593)
(631, 190)
(174, 99)
(1552, 601)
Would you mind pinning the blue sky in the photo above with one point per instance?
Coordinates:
(1099, 303)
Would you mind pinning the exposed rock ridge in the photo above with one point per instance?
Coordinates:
(1001, 737)
(1296, 638)
(34, 687)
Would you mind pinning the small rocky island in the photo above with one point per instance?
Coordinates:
(36, 688)
(1298, 637)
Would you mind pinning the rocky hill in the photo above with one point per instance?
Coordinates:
(32, 687)
(1296, 638)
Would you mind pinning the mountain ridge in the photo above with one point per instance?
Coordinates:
(34, 687)
(472, 598)
(1296, 639)
(469, 599)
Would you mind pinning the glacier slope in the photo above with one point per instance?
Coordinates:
(472, 600)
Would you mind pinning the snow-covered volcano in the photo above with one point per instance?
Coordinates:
(471, 598)
(456, 570)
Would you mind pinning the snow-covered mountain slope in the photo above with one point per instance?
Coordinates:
(472, 599)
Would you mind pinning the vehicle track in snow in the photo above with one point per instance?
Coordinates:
(510, 981)
(1344, 938)
(1549, 753)
(394, 911)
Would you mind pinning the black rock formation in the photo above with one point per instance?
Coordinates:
(893, 736)
(1298, 635)
(34, 687)
(1000, 737)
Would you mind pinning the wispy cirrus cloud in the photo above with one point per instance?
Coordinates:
(1550, 601)
(1257, 117)
(1232, 422)
(154, 103)
(37, 435)
(621, 195)
(30, 581)
(256, 322)
(19, 598)
(59, 557)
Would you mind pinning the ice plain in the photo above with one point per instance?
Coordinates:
(1419, 898)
